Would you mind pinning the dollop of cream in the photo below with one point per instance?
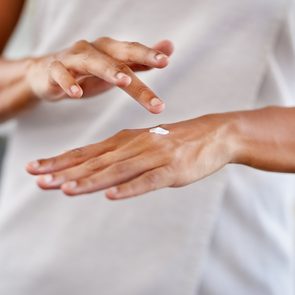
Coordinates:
(159, 130)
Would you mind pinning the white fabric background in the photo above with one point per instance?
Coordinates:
(65, 203)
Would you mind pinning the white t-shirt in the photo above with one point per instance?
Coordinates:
(228, 234)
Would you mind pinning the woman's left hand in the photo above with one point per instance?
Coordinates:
(134, 162)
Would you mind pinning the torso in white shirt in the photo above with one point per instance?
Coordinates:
(225, 60)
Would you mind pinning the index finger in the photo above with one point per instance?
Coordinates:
(134, 52)
(79, 155)
(68, 159)
(142, 93)
(115, 72)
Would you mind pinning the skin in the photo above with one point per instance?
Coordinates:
(134, 162)
(9, 15)
(84, 69)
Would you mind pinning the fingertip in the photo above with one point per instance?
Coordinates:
(123, 80)
(123, 83)
(162, 60)
(157, 110)
(69, 188)
(32, 167)
(110, 197)
(163, 64)
(112, 194)
(117, 193)
(29, 169)
(68, 194)
(165, 46)
(170, 46)
(42, 181)
(156, 106)
(39, 167)
(76, 91)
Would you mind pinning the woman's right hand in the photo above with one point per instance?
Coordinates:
(90, 68)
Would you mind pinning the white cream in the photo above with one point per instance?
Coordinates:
(159, 130)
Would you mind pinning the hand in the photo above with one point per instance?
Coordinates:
(134, 162)
(87, 69)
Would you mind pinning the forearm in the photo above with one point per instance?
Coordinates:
(197, 148)
(9, 15)
(265, 138)
(84, 69)
(15, 93)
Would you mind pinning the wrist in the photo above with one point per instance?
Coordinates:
(15, 72)
(218, 133)
(228, 136)
(15, 91)
(238, 140)
(28, 64)
(224, 133)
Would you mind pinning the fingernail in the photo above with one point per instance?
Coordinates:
(112, 192)
(123, 76)
(160, 56)
(34, 164)
(155, 102)
(74, 89)
(46, 178)
(70, 185)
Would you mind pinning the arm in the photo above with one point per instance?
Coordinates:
(14, 94)
(84, 69)
(266, 139)
(9, 15)
(134, 162)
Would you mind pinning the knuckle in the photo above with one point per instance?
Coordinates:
(128, 189)
(150, 140)
(123, 132)
(53, 66)
(121, 67)
(166, 157)
(177, 156)
(127, 52)
(142, 91)
(94, 164)
(76, 153)
(87, 182)
(82, 49)
(132, 44)
(172, 173)
(152, 179)
(49, 162)
(81, 45)
(54, 63)
(103, 39)
(120, 168)
(170, 170)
